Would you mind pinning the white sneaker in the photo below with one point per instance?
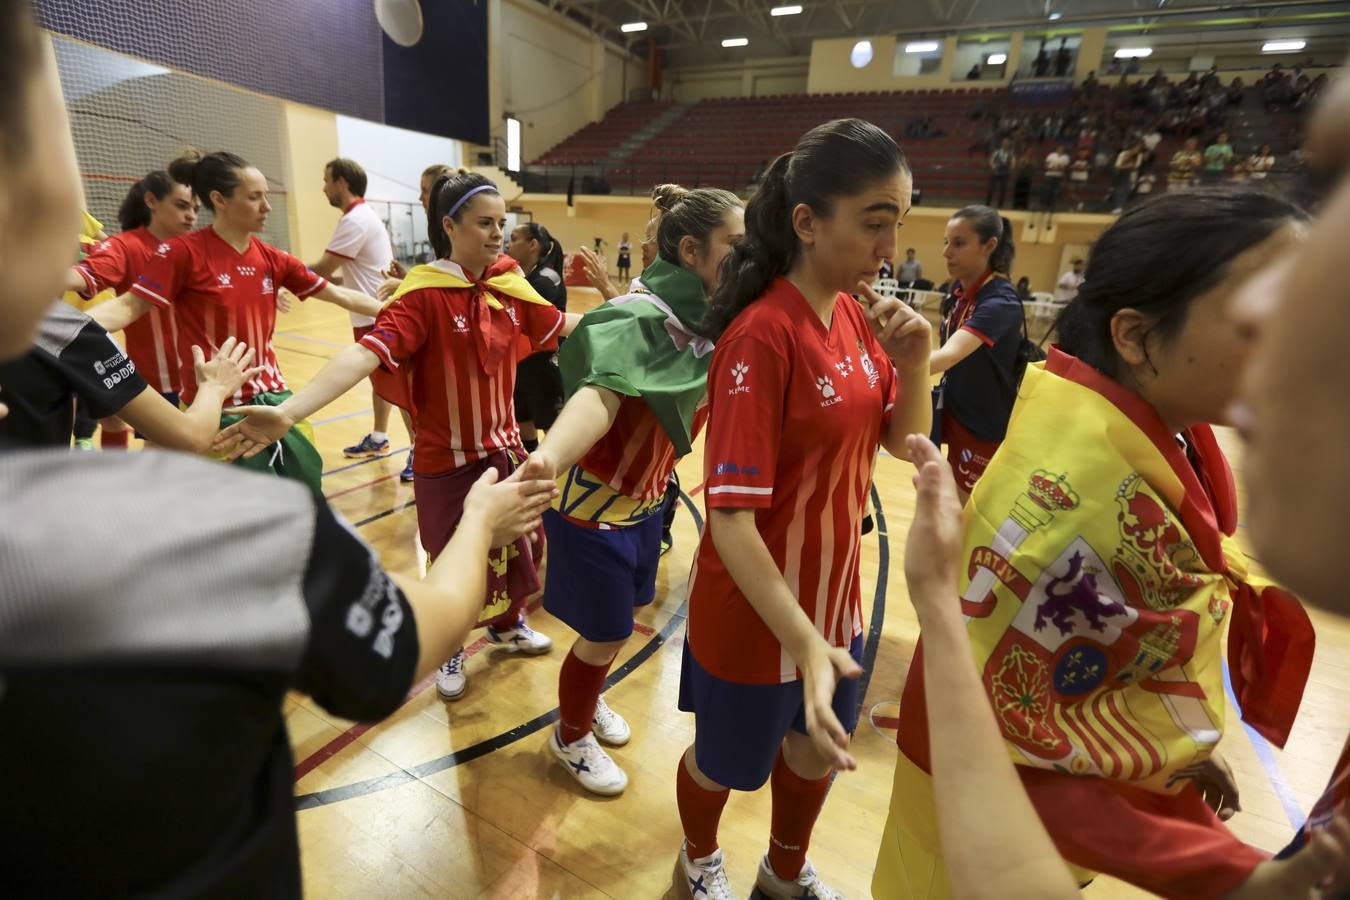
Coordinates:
(589, 765)
(521, 639)
(608, 726)
(806, 886)
(701, 879)
(452, 681)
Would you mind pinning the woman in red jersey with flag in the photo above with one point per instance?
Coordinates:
(804, 385)
(222, 282)
(446, 346)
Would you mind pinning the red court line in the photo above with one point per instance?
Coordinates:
(344, 492)
(886, 722)
(694, 492)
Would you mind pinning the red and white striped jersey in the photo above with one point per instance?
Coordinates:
(152, 340)
(463, 412)
(797, 414)
(217, 292)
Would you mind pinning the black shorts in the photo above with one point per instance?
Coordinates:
(539, 391)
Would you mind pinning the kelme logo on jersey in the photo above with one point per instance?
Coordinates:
(739, 371)
(162, 249)
(461, 325)
(826, 387)
(224, 279)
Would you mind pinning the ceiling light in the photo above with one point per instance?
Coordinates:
(1055, 17)
(861, 54)
(922, 46)
(1283, 46)
(735, 42)
(793, 10)
(630, 27)
(1134, 52)
(997, 59)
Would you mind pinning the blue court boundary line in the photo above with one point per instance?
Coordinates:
(1266, 754)
(525, 729)
(366, 461)
(350, 415)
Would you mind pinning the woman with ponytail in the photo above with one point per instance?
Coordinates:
(636, 371)
(980, 340)
(222, 282)
(804, 384)
(444, 348)
(539, 393)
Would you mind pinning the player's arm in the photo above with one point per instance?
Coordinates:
(328, 265)
(193, 429)
(584, 420)
(348, 299)
(264, 425)
(119, 312)
(76, 282)
(958, 347)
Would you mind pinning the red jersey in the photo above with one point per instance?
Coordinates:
(797, 414)
(152, 340)
(217, 292)
(465, 407)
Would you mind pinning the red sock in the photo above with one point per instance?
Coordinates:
(700, 811)
(579, 687)
(796, 804)
(115, 440)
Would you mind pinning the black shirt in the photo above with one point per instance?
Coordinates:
(550, 286)
(979, 391)
(73, 356)
(144, 658)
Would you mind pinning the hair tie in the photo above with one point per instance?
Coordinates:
(468, 196)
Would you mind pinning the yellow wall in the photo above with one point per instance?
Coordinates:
(310, 141)
(750, 78)
(609, 217)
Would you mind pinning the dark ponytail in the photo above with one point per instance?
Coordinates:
(837, 159)
(445, 196)
(1158, 257)
(133, 213)
(550, 251)
(219, 171)
(988, 224)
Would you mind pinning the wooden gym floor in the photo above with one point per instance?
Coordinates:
(463, 799)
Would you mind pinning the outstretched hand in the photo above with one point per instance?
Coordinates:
(230, 369)
(512, 507)
(260, 427)
(936, 536)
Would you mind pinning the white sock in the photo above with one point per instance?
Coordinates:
(379, 437)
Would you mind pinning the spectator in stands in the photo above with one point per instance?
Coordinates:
(911, 270)
(974, 73)
(1236, 91)
(1041, 64)
(1260, 163)
(1000, 165)
(1024, 289)
(1080, 170)
(1089, 85)
(1024, 172)
(1063, 58)
(1218, 156)
(1067, 286)
(1185, 164)
(1151, 139)
(1123, 176)
(1056, 164)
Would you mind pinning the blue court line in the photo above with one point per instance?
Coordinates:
(366, 461)
(1274, 773)
(350, 415)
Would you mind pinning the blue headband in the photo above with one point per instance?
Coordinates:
(465, 199)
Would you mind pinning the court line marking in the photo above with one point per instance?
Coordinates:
(1266, 754)
(362, 486)
(313, 340)
(365, 461)
(350, 415)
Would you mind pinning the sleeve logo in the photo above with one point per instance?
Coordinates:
(739, 371)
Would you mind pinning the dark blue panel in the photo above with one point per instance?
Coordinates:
(440, 86)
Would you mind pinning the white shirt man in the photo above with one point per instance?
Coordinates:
(1067, 286)
(1057, 163)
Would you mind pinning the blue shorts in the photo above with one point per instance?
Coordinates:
(738, 728)
(597, 577)
(172, 397)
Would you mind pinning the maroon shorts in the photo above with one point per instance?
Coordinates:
(968, 455)
(513, 570)
(360, 331)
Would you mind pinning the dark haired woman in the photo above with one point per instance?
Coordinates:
(980, 338)
(539, 393)
(1098, 573)
(156, 209)
(222, 282)
(445, 347)
(802, 388)
(637, 373)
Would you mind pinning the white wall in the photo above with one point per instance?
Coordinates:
(393, 157)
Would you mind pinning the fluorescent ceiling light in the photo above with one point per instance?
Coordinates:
(1283, 46)
(1134, 52)
(1055, 17)
(922, 46)
(630, 27)
(997, 59)
(735, 42)
(793, 10)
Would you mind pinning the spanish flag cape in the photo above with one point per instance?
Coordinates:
(494, 327)
(644, 344)
(1100, 573)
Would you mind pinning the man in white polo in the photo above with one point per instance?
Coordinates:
(360, 247)
(1067, 287)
